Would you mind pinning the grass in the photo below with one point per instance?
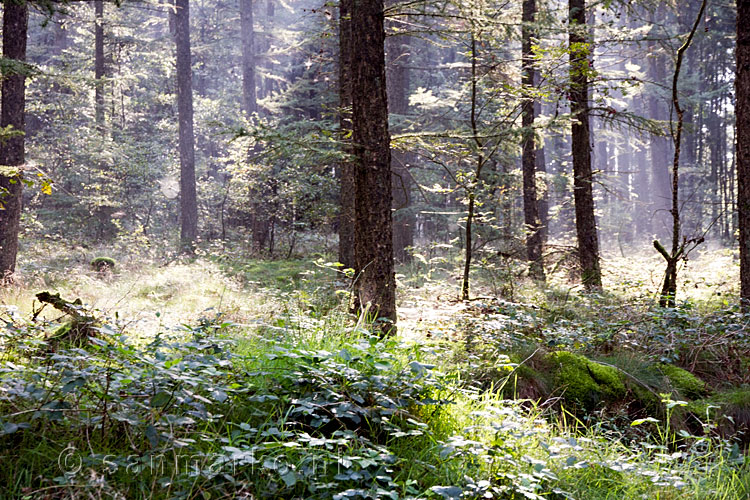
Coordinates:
(270, 390)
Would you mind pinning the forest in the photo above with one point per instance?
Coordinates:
(375, 249)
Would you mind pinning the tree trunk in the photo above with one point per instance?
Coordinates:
(99, 64)
(15, 25)
(375, 284)
(583, 195)
(346, 167)
(248, 57)
(742, 87)
(188, 197)
(528, 159)
(398, 104)
(472, 185)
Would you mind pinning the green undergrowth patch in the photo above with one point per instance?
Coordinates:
(309, 406)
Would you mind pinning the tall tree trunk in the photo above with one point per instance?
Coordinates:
(15, 26)
(528, 159)
(188, 197)
(583, 194)
(248, 57)
(398, 104)
(742, 88)
(346, 167)
(375, 284)
(99, 64)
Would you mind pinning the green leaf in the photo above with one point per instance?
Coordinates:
(643, 421)
(160, 399)
(152, 435)
(290, 478)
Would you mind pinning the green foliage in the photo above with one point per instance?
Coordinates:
(303, 404)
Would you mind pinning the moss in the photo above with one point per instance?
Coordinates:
(61, 331)
(730, 410)
(585, 382)
(72, 333)
(686, 384)
(734, 398)
(103, 264)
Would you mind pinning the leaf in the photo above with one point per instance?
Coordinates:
(152, 435)
(290, 478)
(643, 421)
(420, 368)
(219, 395)
(10, 428)
(160, 399)
(448, 492)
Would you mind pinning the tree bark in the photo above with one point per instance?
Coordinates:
(99, 64)
(346, 167)
(12, 108)
(375, 285)
(583, 195)
(188, 196)
(742, 88)
(528, 158)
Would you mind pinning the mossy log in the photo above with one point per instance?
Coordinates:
(76, 330)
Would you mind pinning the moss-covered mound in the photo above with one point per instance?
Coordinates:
(102, 264)
(729, 411)
(620, 382)
(686, 384)
(586, 383)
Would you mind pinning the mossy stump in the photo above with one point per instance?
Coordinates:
(77, 330)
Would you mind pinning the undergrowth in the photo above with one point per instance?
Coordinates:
(306, 407)
(273, 391)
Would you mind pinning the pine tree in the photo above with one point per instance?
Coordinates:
(12, 147)
(375, 285)
(742, 88)
(583, 194)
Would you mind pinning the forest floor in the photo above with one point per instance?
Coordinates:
(253, 380)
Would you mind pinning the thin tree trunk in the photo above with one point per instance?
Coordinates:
(472, 184)
(346, 167)
(375, 285)
(99, 64)
(528, 159)
(583, 194)
(669, 288)
(12, 149)
(248, 57)
(742, 87)
(188, 196)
